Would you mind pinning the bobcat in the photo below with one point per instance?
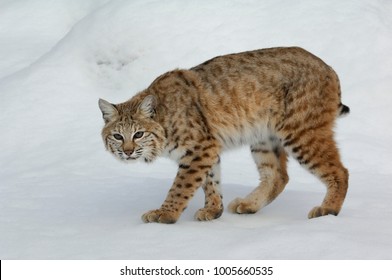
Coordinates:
(280, 101)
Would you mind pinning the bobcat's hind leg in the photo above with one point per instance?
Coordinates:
(321, 157)
(213, 206)
(271, 161)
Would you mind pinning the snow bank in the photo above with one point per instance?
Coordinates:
(63, 197)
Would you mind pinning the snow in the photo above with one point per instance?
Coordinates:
(62, 196)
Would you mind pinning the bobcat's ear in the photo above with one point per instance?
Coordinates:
(148, 105)
(108, 110)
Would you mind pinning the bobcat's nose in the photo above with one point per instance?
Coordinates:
(128, 152)
(128, 148)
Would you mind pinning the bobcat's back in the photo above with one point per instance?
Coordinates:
(276, 89)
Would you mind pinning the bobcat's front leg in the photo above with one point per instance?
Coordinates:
(194, 167)
(213, 206)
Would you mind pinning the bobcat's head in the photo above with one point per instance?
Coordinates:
(130, 132)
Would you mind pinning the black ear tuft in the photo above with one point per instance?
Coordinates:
(108, 110)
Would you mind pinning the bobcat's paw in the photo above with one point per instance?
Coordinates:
(160, 216)
(321, 211)
(242, 206)
(208, 214)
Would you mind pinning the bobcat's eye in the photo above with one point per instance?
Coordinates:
(138, 135)
(118, 137)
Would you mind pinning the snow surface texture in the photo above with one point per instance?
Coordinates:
(62, 196)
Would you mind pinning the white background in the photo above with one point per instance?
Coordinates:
(282, 270)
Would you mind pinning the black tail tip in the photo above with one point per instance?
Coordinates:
(344, 110)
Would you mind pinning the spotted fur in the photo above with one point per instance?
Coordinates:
(280, 101)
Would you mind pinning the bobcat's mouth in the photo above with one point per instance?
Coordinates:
(125, 157)
(131, 158)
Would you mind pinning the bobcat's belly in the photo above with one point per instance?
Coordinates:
(243, 134)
